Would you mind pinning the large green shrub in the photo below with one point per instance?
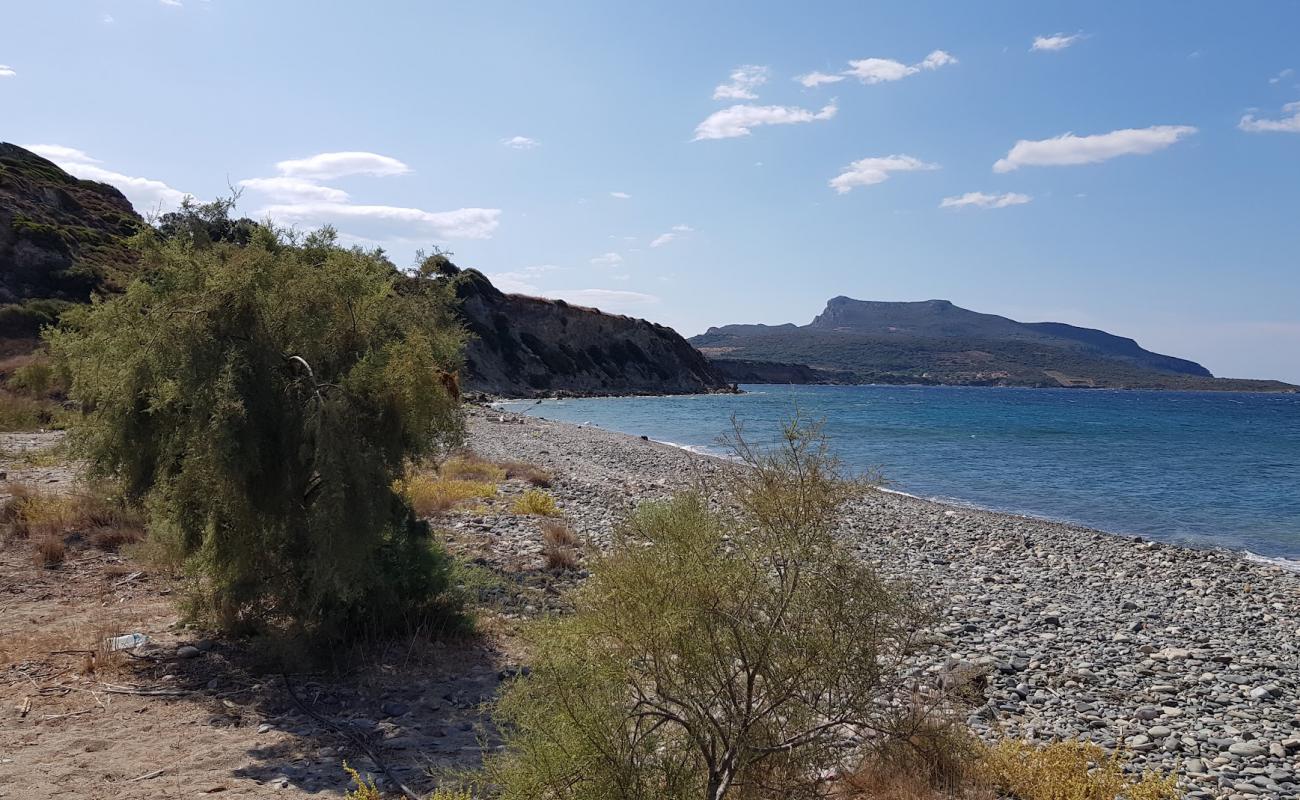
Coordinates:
(720, 651)
(260, 398)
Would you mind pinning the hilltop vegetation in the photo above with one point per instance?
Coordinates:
(61, 240)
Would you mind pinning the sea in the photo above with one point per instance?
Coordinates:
(1205, 469)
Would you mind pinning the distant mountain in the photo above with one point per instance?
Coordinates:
(534, 347)
(936, 342)
(61, 240)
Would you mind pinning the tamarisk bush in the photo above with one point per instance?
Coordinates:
(259, 395)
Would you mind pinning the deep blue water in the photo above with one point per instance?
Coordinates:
(1202, 468)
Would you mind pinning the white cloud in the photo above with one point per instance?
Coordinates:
(982, 200)
(173, 3)
(520, 281)
(884, 70)
(1281, 76)
(1287, 124)
(879, 70)
(869, 171)
(324, 166)
(936, 59)
(107, 19)
(7, 71)
(672, 235)
(814, 79)
(520, 143)
(740, 120)
(605, 299)
(462, 223)
(146, 194)
(620, 195)
(607, 260)
(1068, 149)
(59, 154)
(744, 80)
(1057, 41)
(295, 189)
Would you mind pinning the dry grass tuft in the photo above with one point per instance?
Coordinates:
(50, 551)
(1068, 770)
(467, 466)
(559, 546)
(536, 503)
(523, 471)
(105, 521)
(430, 494)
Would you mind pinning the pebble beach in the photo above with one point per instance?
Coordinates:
(1187, 659)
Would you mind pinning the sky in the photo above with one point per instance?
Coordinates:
(1128, 166)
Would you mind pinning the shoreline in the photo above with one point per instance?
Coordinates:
(1291, 564)
(1187, 659)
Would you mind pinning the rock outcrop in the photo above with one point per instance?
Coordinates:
(533, 347)
(61, 240)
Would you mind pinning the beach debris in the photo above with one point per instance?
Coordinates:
(127, 641)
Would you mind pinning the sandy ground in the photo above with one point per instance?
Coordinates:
(167, 721)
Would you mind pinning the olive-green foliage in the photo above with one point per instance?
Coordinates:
(716, 653)
(261, 400)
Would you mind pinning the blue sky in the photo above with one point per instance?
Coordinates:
(1127, 166)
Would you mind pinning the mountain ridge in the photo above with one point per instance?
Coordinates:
(938, 342)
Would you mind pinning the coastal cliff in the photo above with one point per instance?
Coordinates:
(534, 347)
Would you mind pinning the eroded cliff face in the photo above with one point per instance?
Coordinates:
(533, 347)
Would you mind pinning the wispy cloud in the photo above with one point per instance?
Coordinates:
(462, 223)
(7, 71)
(620, 195)
(520, 143)
(1054, 42)
(286, 188)
(1068, 149)
(606, 299)
(814, 79)
(298, 196)
(607, 260)
(740, 120)
(172, 3)
(1281, 76)
(1284, 124)
(672, 235)
(884, 70)
(744, 80)
(146, 194)
(870, 171)
(324, 166)
(982, 200)
(107, 19)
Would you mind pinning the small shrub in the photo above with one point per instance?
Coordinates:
(430, 495)
(22, 413)
(536, 503)
(50, 551)
(559, 546)
(470, 467)
(523, 471)
(1068, 770)
(717, 654)
(365, 788)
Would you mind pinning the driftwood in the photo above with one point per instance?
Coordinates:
(352, 737)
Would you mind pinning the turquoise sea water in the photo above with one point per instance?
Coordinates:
(1201, 468)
